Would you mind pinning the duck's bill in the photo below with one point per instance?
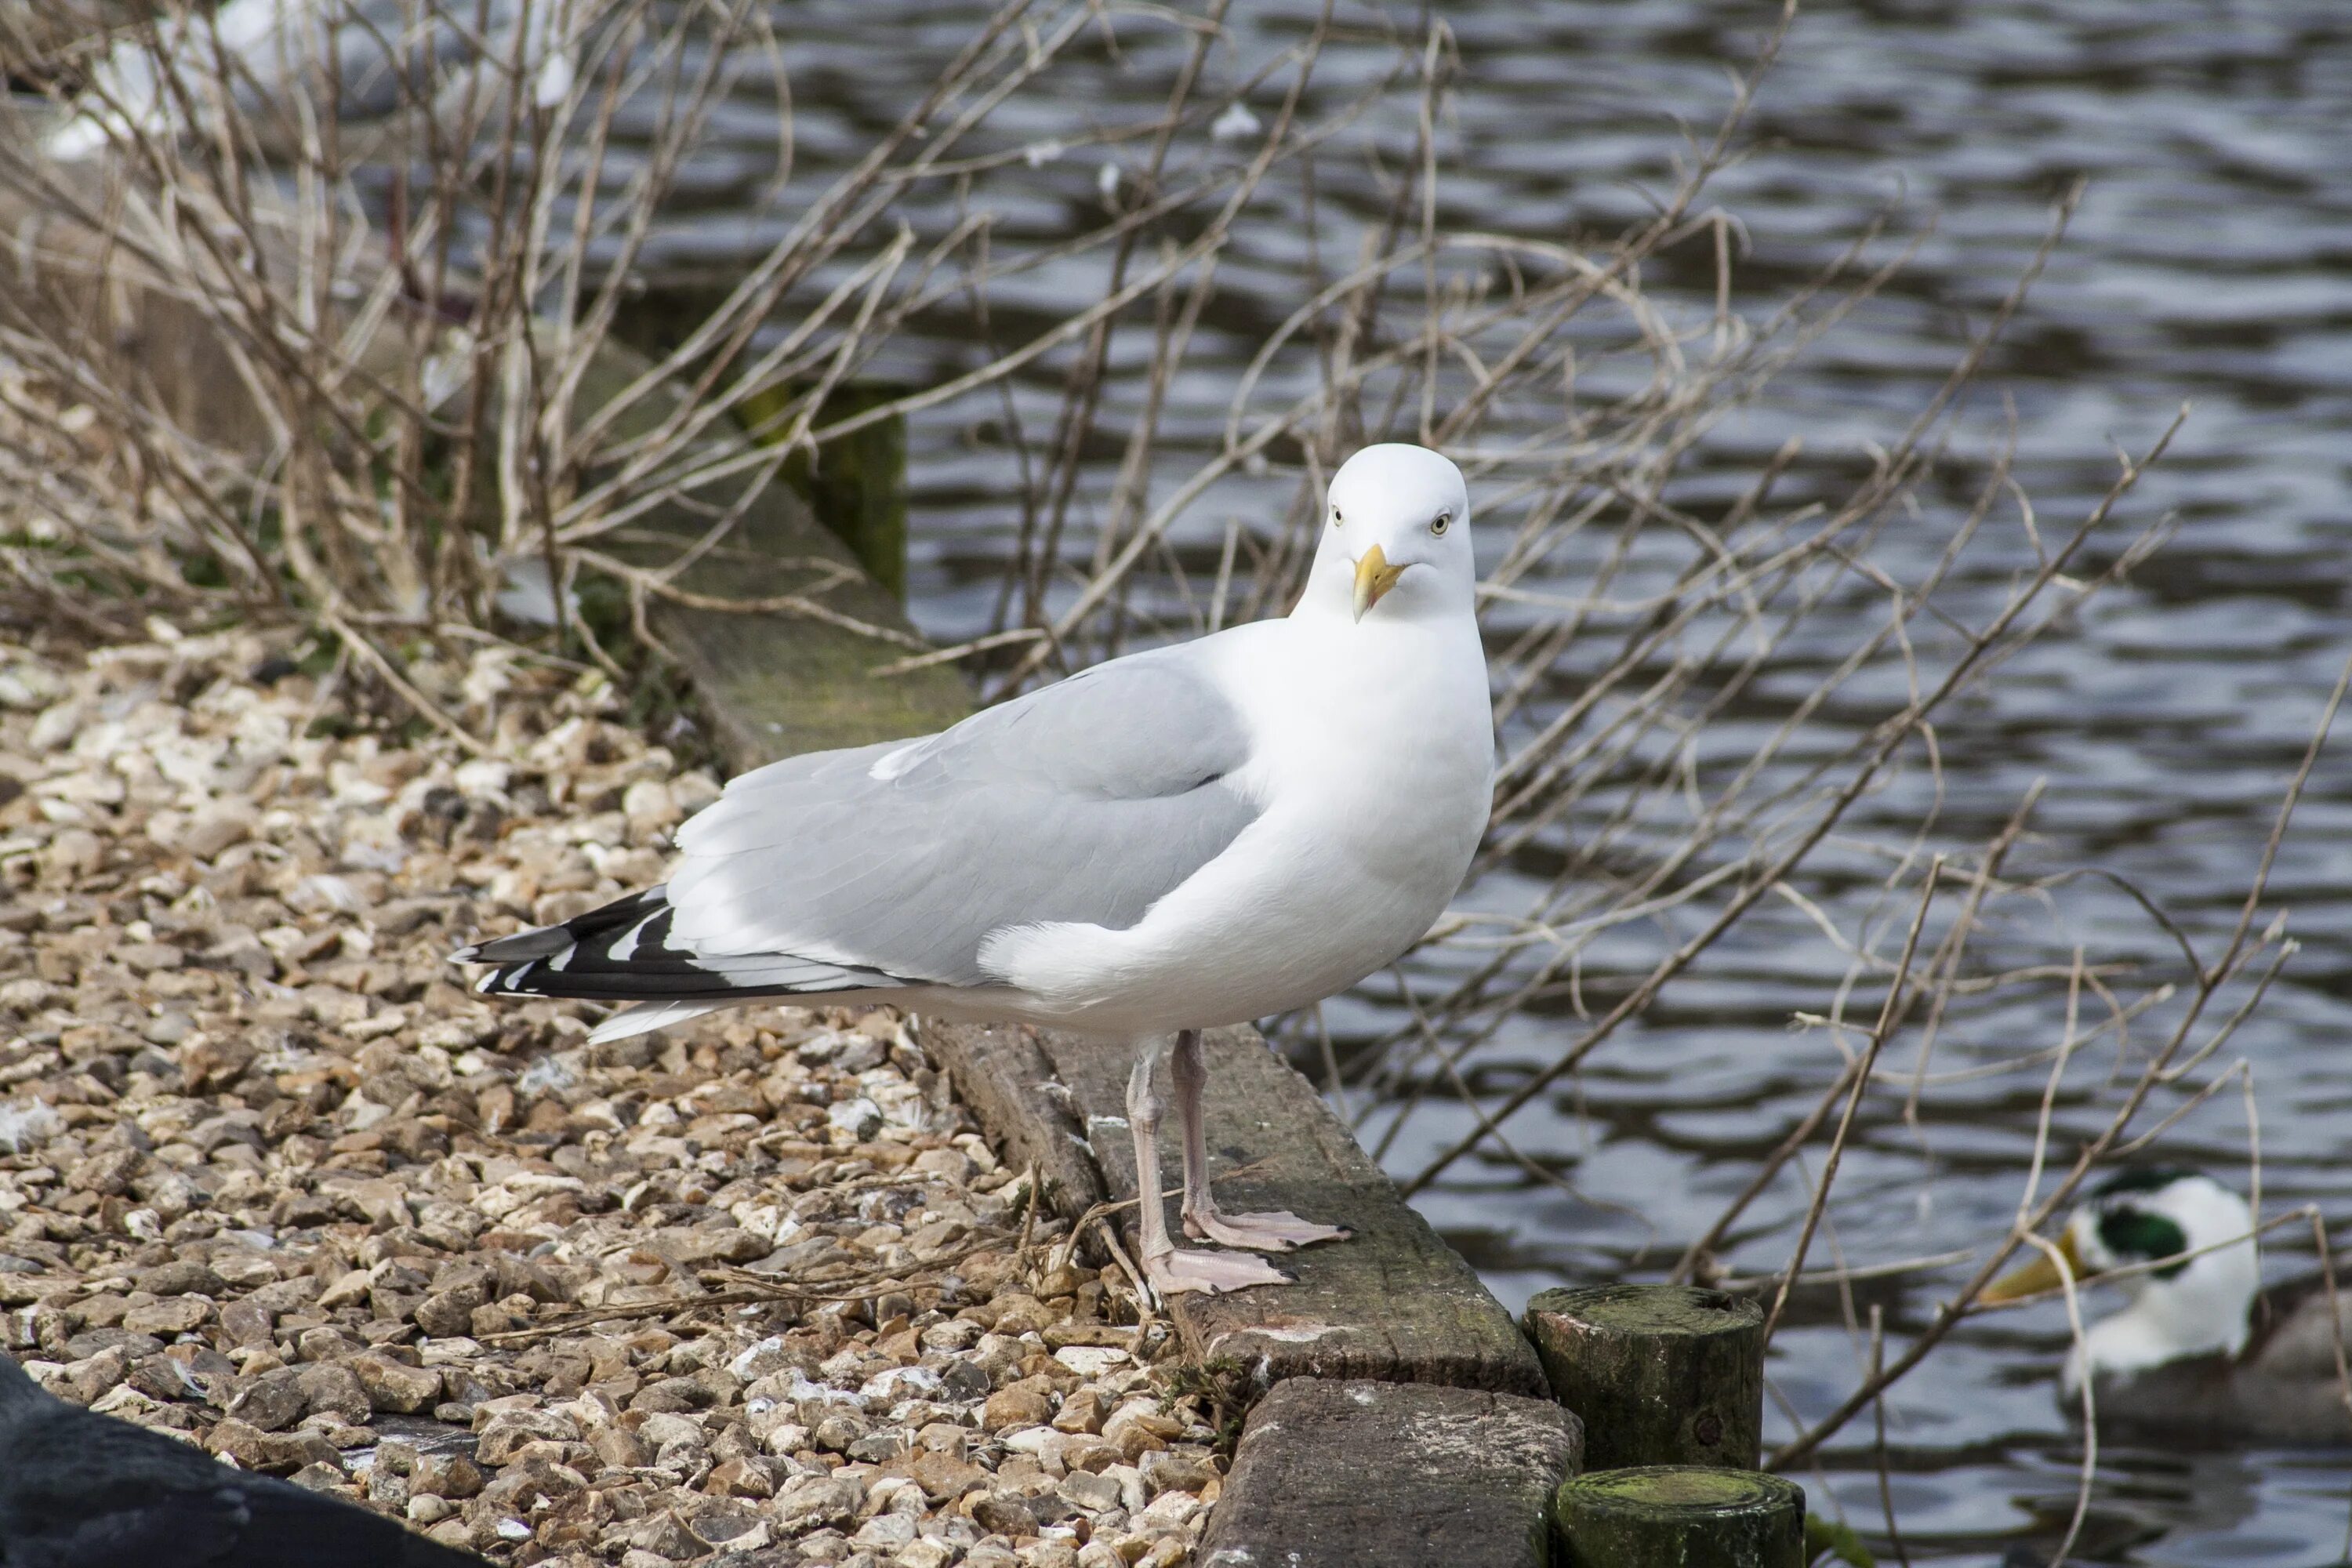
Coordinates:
(2036, 1276)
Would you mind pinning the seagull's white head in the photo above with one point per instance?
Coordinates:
(1396, 537)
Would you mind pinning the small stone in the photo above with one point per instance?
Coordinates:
(392, 1386)
(216, 828)
(1139, 1429)
(1004, 1514)
(1081, 1412)
(95, 1376)
(662, 1429)
(1083, 1453)
(332, 1388)
(620, 1448)
(181, 1277)
(1095, 1493)
(943, 1477)
(507, 1433)
(273, 1453)
(270, 1401)
(180, 1315)
(885, 1532)
(350, 1290)
(1017, 1405)
(107, 1173)
(728, 1526)
(449, 1314)
(836, 1431)
(246, 1323)
(319, 1476)
(739, 1477)
(1017, 1312)
(816, 1501)
(694, 1247)
(666, 1537)
(674, 1394)
(400, 917)
(1177, 1471)
(446, 1475)
(963, 1381)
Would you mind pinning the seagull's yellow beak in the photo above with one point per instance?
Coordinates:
(1374, 577)
(2036, 1276)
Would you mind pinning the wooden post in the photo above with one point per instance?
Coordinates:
(1666, 1516)
(1663, 1374)
(856, 485)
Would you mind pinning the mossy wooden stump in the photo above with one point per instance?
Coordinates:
(1672, 1516)
(1662, 1375)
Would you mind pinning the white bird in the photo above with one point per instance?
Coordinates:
(1200, 835)
(2200, 1354)
(383, 58)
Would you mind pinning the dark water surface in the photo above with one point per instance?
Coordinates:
(2210, 262)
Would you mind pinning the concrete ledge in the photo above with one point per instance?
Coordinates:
(1382, 1475)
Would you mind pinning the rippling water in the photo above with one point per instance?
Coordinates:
(2210, 263)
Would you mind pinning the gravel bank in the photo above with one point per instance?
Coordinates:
(752, 1292)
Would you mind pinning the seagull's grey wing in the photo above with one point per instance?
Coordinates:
(1084, 801)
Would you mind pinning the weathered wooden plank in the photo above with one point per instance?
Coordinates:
(1357, 1474)
(1006, 1076)
(1392, 1302)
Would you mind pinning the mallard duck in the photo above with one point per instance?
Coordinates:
(386, 57)
(2201, 1353)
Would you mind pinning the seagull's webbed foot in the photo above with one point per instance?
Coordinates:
(1212, 1273)
(1278, 1231)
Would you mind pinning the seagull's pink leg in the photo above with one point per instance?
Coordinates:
(1165, 1267)
(1278, 1231)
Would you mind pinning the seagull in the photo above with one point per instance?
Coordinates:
(2201, 1353)
(386, 56)
(1197, 835)
(84, 1491)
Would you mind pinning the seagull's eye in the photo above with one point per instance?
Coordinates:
(1441, 522)
(1335, 519)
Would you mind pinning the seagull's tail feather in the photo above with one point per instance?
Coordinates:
(648, 1017)
(624, 952)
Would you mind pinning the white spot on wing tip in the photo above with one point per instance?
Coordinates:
(625, 948)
